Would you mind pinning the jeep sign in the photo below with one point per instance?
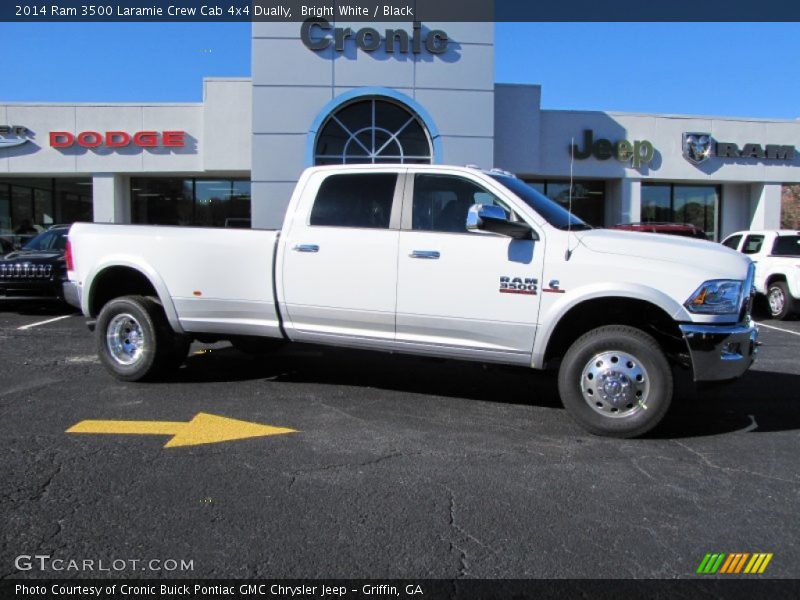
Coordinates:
(638, 153)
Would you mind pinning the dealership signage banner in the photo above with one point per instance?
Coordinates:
(318, 34)
(118, 139)
(698, 147)
(637, 152)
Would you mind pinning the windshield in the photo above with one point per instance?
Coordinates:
(551, 211)
(786, 245)
(53, 239)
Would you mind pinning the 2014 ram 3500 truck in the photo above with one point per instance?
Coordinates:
(430, 260)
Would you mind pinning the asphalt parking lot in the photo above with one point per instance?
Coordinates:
(399, 467)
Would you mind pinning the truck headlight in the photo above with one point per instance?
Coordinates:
(716, 297)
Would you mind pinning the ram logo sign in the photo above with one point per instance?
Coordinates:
(699, 147)
(13, 135)
(696, 147)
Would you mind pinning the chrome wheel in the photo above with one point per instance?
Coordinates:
(615, 384)
(777, 301)
(125, 339)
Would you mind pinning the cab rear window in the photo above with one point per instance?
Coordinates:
(786, 245)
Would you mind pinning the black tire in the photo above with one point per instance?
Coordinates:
(134, 340)
(256, 345)
(780, 303)
(637, 382)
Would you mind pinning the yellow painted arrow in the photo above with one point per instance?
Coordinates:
(202, 429)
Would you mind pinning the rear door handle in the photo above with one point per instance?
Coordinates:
(306, 248)
(429, 254)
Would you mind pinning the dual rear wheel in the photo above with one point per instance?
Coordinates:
(135, 341)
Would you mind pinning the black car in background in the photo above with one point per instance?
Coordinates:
(38, 270)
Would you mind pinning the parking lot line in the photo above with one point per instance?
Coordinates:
(53, 320)
(778, 328)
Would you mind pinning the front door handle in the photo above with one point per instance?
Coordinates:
(429, 254)
(306, 248)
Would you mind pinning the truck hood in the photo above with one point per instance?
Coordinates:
(29, 255)
(723, 262)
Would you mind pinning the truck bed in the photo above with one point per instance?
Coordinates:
(199, 270)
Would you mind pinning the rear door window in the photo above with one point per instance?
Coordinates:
(361, 200)
(752, 244)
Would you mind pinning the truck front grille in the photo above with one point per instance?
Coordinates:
(19, 271)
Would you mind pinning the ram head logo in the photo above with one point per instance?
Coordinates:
(697, 147)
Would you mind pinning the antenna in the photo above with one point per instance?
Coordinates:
(568, 252)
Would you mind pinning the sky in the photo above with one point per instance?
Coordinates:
(722, 69)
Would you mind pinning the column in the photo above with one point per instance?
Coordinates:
(111, 198)
(623, 201)
(765, 206)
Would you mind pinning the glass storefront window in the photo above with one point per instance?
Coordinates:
(5, 208)
(696, 205)
(656, 204)
(73, 201)
(22, 210)
(162, 201)
(672, 203)
(43, 207)
(198, 202)
(29, 206)
(588, 198)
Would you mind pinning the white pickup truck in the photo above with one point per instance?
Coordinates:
(776, 255)
(430, 260)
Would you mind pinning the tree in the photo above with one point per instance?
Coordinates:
(790, 207)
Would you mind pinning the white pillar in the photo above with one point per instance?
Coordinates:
(111, 198)
(623, 201)
(765, 205)
(734, 208)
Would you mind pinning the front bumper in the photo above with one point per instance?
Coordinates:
(720, 352)
(30, 290)
(72, 293)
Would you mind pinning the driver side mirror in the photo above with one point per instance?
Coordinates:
(493, 219)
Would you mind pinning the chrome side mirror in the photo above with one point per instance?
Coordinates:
(491, 218)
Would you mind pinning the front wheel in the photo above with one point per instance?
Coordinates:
(615, 381)
(134, 339)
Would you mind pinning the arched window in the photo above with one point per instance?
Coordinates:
(373, 130)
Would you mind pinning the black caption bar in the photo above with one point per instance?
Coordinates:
(396, 10)
(423, 589)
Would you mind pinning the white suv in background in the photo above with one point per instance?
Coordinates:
(776, 254)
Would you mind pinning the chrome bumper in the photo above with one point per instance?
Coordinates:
(720, 352)
(72, 294)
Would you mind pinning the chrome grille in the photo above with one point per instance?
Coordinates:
(25, 271)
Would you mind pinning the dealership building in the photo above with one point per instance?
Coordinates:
(328, 93)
